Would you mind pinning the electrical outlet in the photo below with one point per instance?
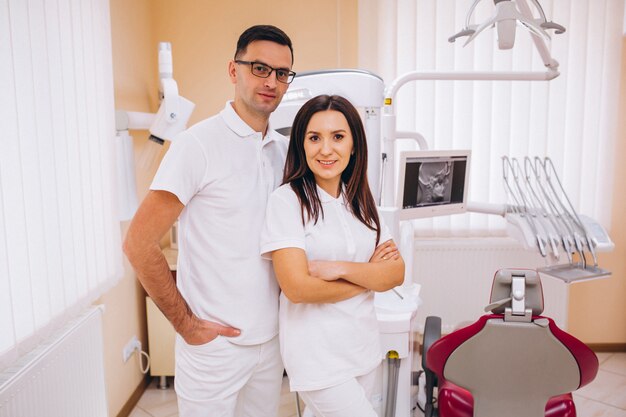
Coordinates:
(130, 347)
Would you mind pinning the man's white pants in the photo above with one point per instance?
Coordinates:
(221, 379)
(351, 398)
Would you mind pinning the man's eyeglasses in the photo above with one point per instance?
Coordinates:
(264, 71)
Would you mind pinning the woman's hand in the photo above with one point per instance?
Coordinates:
(326, 270)
(385, 251)
(331, 270)
(384, 270)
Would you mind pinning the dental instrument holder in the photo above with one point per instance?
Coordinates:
(537, 215)
(539, 212)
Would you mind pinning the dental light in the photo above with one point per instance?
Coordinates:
(507, 15)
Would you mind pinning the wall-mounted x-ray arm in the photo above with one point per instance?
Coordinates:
(173, 113)
(165, 124)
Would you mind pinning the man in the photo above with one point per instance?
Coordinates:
(216, 178)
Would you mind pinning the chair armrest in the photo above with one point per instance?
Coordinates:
(432, 333)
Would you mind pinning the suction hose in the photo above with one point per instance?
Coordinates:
(393, 367)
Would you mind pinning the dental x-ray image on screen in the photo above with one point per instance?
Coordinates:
(432, 183)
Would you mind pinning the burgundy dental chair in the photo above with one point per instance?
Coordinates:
(512, 362)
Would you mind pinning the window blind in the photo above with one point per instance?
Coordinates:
(59, 234)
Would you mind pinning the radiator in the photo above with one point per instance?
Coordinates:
(456, 274)
(63, 377)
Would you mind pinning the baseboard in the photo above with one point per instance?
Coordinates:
(134, 398)
(607, 347)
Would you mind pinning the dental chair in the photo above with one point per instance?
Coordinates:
(512, 362)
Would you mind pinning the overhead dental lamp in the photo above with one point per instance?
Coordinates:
(508, 14)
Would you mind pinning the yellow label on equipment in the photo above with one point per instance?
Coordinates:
(388, 101)
(393, 354)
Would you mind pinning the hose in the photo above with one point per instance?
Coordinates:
(393, 367)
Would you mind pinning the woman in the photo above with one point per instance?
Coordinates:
(322, 232)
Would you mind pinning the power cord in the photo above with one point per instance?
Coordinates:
(417, 379)
(417, 376)
(142, 354)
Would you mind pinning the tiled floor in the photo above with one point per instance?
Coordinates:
(604, 397)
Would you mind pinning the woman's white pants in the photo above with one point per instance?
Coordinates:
(351, 398)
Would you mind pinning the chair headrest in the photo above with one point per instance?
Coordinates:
(505, 291)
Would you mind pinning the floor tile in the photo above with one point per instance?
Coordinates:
(158, 402)
(616, 364)
(287, 411)
(603, 356)
(287, 405)
(138, 412)
(608, 388)
(154, 397)
(590, 408)
(169, 409)
(417, 413)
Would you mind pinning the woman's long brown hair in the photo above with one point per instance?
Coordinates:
(353, 179)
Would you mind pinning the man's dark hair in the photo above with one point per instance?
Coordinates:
(262, 33)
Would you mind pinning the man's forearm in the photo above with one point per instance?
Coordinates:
(155, 276)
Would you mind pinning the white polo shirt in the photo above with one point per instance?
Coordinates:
(323, 345)
(223, 172)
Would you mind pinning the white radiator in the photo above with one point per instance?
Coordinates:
(456, 274)
(63, 377)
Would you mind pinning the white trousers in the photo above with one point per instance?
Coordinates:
(221, 379)
(351, 398)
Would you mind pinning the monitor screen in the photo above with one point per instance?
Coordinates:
(432, 183)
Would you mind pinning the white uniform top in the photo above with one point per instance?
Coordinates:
(223, 172)
(325, 344)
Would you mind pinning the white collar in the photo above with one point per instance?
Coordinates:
(241, 128)
(327, 198)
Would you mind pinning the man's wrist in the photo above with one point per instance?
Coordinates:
(186, 324)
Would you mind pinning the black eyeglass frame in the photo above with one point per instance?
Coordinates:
(290, 74)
